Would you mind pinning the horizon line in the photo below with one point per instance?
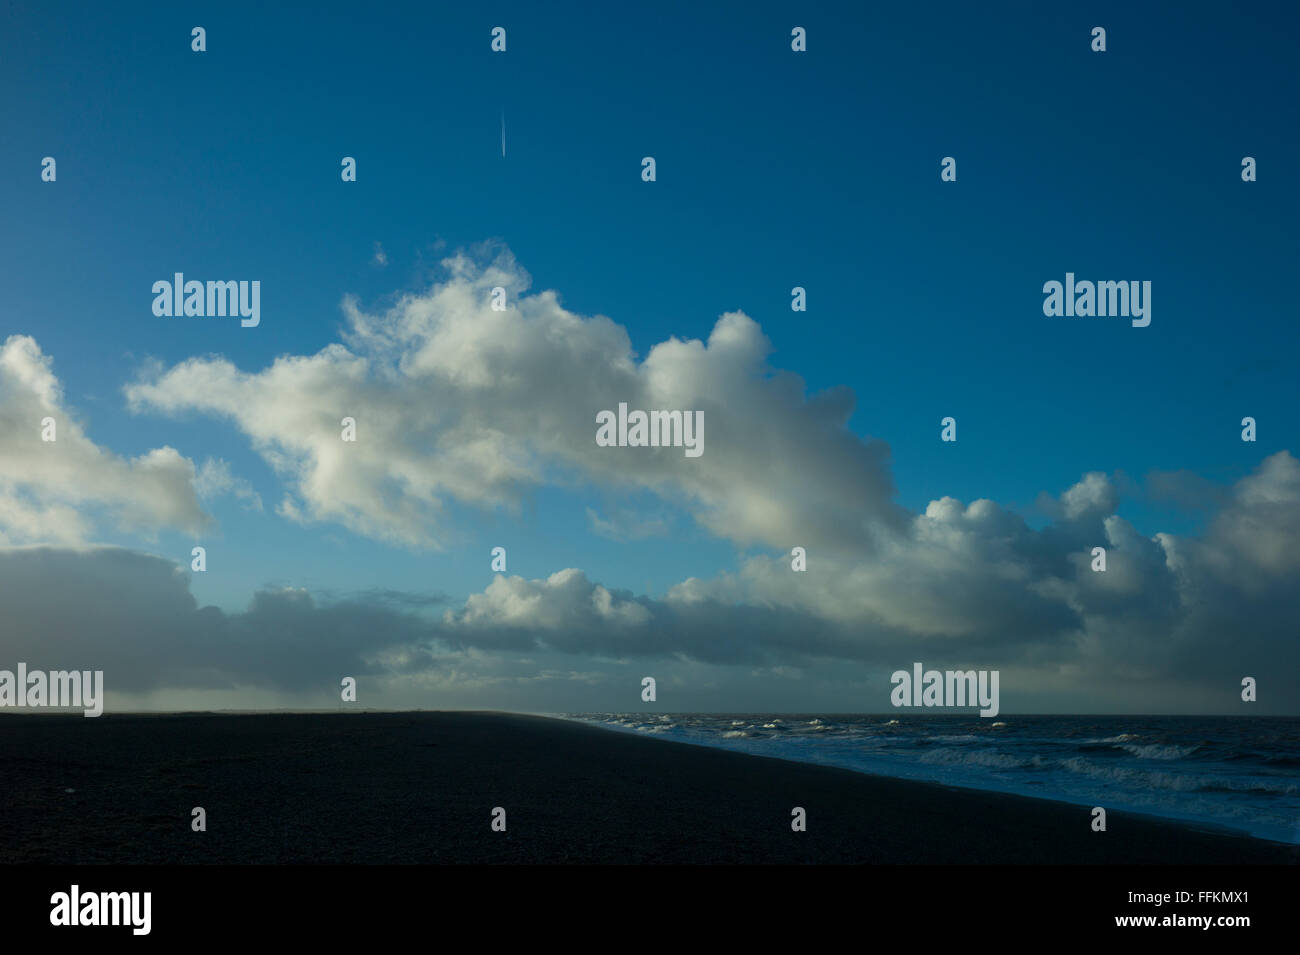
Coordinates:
(75, 711)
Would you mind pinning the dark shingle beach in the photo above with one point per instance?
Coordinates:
(420, 788)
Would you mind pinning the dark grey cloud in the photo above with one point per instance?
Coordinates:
(132, 615)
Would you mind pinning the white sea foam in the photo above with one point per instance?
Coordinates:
(1156, 751)
(1121, 738)
(985, 758)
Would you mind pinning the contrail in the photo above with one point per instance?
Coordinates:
(503, 133)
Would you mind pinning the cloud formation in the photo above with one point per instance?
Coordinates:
(457, 402)
(57, 491)
(971, 584)
(1178, 619)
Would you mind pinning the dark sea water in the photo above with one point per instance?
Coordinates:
(1237, 772)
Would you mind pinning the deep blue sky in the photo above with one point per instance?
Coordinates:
(774, 170)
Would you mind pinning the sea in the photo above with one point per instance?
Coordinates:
(1238, 773)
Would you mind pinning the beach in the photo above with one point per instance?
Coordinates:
(421, 787)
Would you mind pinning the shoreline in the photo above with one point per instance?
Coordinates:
(420, 787)
(1187, 822)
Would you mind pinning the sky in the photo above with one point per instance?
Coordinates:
(476, 428)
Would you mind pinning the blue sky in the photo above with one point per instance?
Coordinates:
(775, 169)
